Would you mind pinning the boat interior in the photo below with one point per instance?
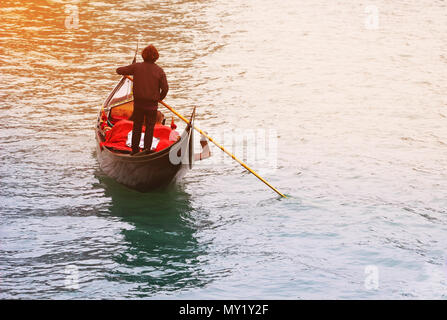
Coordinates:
(120, 112)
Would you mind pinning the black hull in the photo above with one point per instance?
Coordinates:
(148, 172)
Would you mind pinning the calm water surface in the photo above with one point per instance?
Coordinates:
(360, 119)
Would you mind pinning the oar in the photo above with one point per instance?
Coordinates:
(136, 51)
(219, 146)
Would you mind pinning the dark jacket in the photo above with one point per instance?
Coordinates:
(149, 84)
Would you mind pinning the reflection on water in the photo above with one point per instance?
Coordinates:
(160, 251)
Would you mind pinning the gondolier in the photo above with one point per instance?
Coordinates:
(149, 86)
(144, 171)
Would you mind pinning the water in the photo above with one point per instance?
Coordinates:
(360, 119)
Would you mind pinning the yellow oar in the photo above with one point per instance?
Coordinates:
(220, 147)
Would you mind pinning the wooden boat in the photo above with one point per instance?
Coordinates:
(142, 172)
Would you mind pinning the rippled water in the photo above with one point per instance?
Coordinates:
(360, 115)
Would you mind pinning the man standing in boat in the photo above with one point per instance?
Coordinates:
(149, 86)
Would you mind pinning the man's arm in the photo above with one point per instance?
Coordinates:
(163, 86)
(127, 70)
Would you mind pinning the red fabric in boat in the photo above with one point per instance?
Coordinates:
(163, 144)
(116, 137)
(163, 133)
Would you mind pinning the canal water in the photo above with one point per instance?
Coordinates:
(347, 104)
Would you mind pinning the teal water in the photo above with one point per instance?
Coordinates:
(357, 115)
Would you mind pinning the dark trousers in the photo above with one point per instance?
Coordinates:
(149, 118)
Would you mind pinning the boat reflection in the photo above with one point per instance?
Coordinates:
(160, 253)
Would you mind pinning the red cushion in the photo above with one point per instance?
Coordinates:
(162, 132)
(116, 138)
(163, 144)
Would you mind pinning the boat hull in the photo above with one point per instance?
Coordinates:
(148, 172)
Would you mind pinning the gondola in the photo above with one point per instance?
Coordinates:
(141, 172)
